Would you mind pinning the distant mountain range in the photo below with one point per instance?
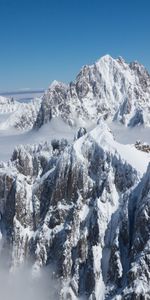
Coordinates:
(20, 92)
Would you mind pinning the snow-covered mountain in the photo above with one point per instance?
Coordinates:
(77, 198)
(82, 208)
(110, 88)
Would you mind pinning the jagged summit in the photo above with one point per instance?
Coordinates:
(105, 58)
(55, 84)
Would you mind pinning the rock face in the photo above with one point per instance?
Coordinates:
(131, 244)
(82, 209)
(142, 147)
(109, 88)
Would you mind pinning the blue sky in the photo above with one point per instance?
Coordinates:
(42, 40)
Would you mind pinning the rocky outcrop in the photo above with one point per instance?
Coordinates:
(142, 146)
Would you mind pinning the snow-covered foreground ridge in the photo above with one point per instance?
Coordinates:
(82, 208)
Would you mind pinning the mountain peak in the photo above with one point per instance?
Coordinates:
(56, 84)
(105, 58)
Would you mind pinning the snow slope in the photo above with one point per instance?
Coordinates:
(137, 159)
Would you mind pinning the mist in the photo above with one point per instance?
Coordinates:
(22, 285)
(127, 135)
(10, 138)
